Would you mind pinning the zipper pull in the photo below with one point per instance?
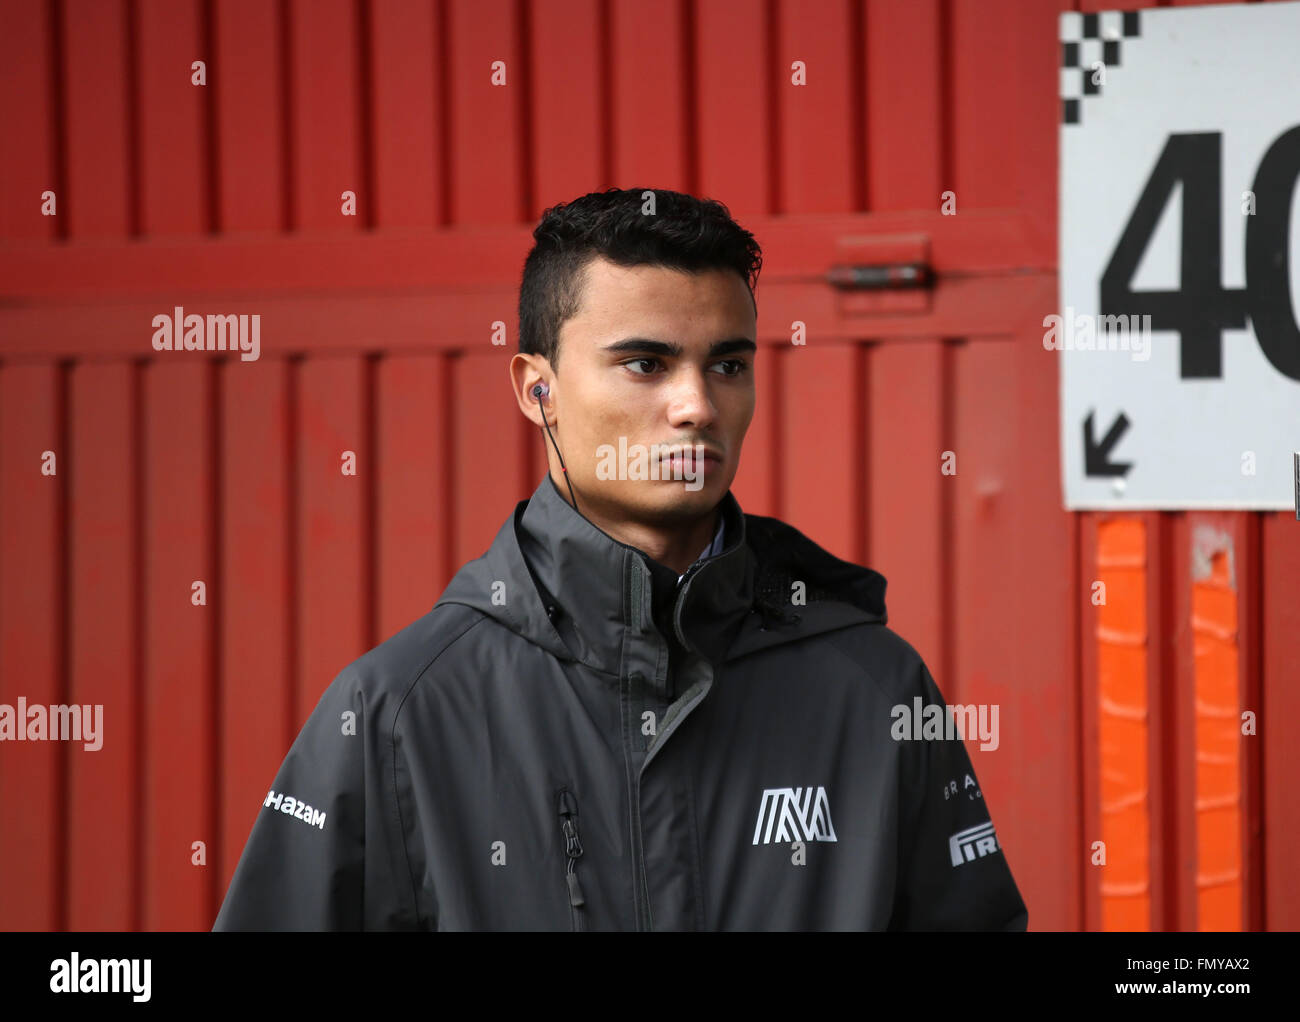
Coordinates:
(572, 846)
(575, 889)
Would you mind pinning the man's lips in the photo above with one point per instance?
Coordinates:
(688, 454)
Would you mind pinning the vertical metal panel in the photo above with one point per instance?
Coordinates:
(326, 129)
(985, 629)
(178, 715)
(30, 120)
(823, 464)
(819, 167)
(33, 775)
(486, 451)
(1122, 635)
(487, 139)
(413, 467)
(99, 111)
(1279, 708)
(1172, 760)
(756, 483)
(983, 479)
(982, 77)
(1223, 559)
(172, 117)
(1250, 610)
(1217, 698)
(104, 632)
(1086, 613)
(1035, 61)
(406, 110)
(823, 471)
(906, 493)
(905, 104)
(1044, 681)
(1009, 547)
(256, 598)
(332, 528)
(652, 101)
(249, 88)
(910, 535)
(1194, 771)
(567, 101)
(734, 106)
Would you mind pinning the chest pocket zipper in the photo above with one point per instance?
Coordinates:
(572, 853)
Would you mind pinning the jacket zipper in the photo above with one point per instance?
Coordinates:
(671, 681)
(643, 890)
(572, 852)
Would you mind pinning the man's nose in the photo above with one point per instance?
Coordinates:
(689, 403)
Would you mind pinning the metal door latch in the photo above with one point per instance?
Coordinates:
(880, 276)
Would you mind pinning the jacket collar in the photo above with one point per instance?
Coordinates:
(596, 587)
(554, 578)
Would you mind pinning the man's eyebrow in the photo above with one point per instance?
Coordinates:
(644, 344)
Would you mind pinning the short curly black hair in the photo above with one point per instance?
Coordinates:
(684, 233)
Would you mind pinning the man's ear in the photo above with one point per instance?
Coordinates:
(528, 373)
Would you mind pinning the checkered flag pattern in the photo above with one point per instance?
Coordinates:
(1085, 40)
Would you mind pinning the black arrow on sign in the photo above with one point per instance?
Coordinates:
(1096, 456)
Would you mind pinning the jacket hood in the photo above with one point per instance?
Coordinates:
(557, 580)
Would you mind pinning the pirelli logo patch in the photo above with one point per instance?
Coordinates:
(291, 806)
(973, 842)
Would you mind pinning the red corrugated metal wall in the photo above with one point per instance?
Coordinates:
(171, 469)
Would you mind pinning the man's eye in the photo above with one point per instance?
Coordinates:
(737, 366)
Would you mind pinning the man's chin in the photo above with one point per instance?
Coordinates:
(666, 499)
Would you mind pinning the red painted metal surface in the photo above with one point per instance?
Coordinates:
(377, 340)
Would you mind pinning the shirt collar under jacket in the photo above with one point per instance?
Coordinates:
(714, 547)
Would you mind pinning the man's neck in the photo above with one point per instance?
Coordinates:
(675, 547)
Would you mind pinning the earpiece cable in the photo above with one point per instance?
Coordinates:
(547, 425)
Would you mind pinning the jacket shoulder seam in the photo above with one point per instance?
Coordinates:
(862, 668)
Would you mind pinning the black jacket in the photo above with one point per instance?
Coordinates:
(534, 753)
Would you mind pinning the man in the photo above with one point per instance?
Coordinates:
(641, 708)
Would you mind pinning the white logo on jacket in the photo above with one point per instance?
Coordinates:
(979, 840)
(797, 814)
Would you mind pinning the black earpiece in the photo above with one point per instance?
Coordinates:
(540, 391)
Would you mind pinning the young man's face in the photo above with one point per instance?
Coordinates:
(617, 379)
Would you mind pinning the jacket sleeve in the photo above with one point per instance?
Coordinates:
(325, 849)
(953, 872)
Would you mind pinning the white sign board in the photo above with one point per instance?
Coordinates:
(1177, 333)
